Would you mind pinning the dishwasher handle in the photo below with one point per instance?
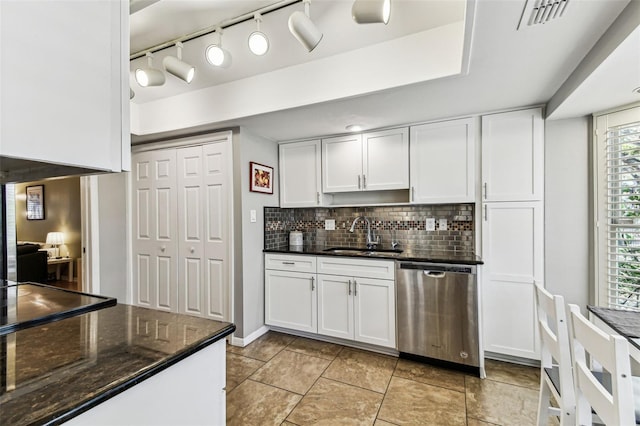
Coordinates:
(434, 274)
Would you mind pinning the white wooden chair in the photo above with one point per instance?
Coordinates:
(556, 377)
(613, 406)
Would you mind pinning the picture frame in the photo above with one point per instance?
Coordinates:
(35, 202)
(260, 178)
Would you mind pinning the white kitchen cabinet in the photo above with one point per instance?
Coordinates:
(354, 306)
(373, 161)
(442, 162)
(300, 174)
(65, 83)
(513, 156)
(513, 252)
(291, 296)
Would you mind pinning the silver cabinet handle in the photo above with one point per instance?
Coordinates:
(192, 249)
(484, 189)
(163, 248)
(413, 193)
(349, 287)
(313, 287)
(288, 263)
(358, 181)
(485, 212)
(364, 181)
(318, 196)
(355, 287)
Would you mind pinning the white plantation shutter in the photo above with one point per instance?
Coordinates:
(623, 216)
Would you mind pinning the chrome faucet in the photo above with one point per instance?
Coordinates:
(371, 242)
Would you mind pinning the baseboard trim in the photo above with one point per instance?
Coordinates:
(244, 341)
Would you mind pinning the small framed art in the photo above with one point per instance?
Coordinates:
(35, 202)
(261, 178)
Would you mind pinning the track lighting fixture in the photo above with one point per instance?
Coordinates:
(149, 76)
(216, 55)
(175, 65)
(302, 28)
(258, 41)
(371, 11)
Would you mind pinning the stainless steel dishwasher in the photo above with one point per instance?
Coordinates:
(437, 313)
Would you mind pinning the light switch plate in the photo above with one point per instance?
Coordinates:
(254, 216)
(442, 224)
(330, 224)
(430, 224)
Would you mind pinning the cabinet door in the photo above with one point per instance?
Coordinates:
(342, 164)
(335, 306)
(512, 235)
(513, 156)
(48, 114)
(375, 313)
(155, 230)
(443, 162)
(300, 177)
(385, 160)
(291, 300)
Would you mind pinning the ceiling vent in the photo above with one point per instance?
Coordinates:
(542, 11)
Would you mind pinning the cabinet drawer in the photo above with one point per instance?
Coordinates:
(290, 262)
(368, 268)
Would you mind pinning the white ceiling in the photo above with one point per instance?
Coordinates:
(507, 69)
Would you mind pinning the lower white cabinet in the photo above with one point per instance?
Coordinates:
(291, 300)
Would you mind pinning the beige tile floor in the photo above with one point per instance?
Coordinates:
(286, 380)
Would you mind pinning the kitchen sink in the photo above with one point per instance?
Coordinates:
(351, 251)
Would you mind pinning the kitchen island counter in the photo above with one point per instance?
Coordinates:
(407, 254)
(54, 372)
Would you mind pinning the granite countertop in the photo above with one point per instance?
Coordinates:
(53, 372)
(627, 323)
(410, 254)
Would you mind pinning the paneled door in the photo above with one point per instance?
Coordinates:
(154, 230)
(203, 230)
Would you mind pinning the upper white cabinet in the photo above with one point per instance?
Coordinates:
(65, 82)
(442, 162)
(513, 156)
(300, 176)
(369, 162)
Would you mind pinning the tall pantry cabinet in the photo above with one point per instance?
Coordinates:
(512, 230)
(182, 228)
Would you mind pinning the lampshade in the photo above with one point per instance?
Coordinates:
(149, 76)
(176, 66)
(55, 238)
(302, 28)
(371, 11)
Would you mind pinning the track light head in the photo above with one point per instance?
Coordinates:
(216, 55)
(258, 41)
(371, 11)
(303, 29)
(149, 76)
(175, 65)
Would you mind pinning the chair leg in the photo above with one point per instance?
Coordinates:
(543, 403)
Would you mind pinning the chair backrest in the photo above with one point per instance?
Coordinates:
(615, 406)
(554, 337)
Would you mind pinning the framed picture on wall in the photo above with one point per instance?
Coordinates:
(261, 178)
(35, 202)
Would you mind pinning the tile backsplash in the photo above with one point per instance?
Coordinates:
(405, 224)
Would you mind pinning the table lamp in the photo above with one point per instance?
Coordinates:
(55, 239)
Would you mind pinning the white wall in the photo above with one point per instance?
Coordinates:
(567, 208)
(112, 213)
(257, 149)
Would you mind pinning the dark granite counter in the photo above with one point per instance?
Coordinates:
(53, 372)
(412, 255)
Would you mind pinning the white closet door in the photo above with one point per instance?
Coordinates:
(191, 231)
(155, 230)
(216, 286)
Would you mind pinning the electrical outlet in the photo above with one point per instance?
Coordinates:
(442, 224)
(254, 216)
(330, 224)
(430, 224)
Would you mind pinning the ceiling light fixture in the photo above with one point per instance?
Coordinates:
(353, 128)
(216, 55)
(175, 65)
(149, 76)
(258, 41)
(371, 11)
(304, 29)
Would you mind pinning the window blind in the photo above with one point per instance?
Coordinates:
(623, 216)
